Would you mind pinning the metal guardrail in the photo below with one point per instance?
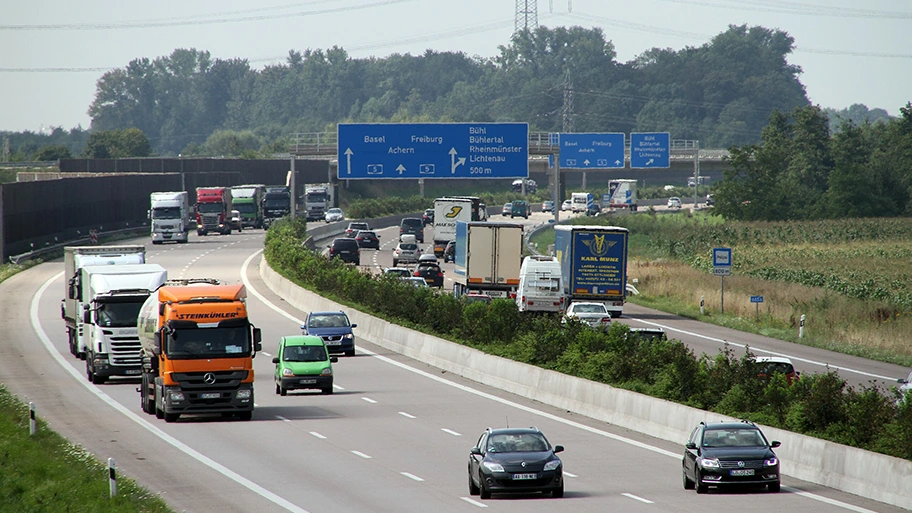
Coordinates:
(540, 143)
(34, 163)
(86, 241)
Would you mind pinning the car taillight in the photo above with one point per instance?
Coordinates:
(606, 320)
(359, 239)
(332, 251)
(440, 274)
(416, 273)
(524, 299)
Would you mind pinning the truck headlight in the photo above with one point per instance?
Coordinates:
(244, 393)
(175, 396)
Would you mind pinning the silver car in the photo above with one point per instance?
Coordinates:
(593, 314)
(406, 252)
(334, 215)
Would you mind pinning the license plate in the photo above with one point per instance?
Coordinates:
(333, 342)
(743, 472)
(524, 476)
(210, 395)
(308, 381)
(130, 372)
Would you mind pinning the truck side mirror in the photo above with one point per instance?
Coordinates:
(157, 343)
(87, 316)
(257, 339)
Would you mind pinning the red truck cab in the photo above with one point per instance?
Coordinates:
(213, 210)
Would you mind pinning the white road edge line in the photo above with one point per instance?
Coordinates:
(174, 442)
(528, 409)
(411, 476)
(634, 497)
(474, 502)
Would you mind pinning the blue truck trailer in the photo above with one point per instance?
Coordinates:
(593, 263)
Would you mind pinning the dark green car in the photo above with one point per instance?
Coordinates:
(520, 209)
(303, 363)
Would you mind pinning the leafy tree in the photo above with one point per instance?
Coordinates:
(52, 152)
(109, 144)
(227, 143)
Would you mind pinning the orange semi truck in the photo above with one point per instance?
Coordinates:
(197, 350)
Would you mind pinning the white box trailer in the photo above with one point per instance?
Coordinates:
(74, 259)
(488, 258)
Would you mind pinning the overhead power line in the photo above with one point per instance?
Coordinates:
(186, 22)
(781, 7)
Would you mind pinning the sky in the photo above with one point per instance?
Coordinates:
(52, 52)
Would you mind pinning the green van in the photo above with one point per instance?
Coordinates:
(520, 208)
(303, 363)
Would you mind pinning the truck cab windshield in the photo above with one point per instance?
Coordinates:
(277, 202)
(166, 213)
(118, 314)
(316, 197)
(220, 342)
(210, 208)
(245, 208)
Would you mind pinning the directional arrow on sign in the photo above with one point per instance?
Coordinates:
(650, 161)
(348, 156)
(617, 162)
(454, 162)
(586, 162)
(401, 168)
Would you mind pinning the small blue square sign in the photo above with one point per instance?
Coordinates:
(722, 257)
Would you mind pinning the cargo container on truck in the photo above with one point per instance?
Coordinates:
(540, 285)
(488, 258)
(449, 210)
(248, 200)
(213, 210)
(581, 201)
(74, 259)
(593, 264)
(111, 298)
(622, 194)
(197, 350)
(169, 213)
(276, 204)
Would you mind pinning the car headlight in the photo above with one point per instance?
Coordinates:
(709, 463)
(287, 372)
(552, 465)
(493, 467)
(772, 462)
(326, 371)
(348, 337)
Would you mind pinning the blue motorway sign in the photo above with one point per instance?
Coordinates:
(592, 150)
(722, 257)
(649, 150)
(433, 150)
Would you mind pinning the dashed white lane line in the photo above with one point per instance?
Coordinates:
(634, 497)
(318, 435)
(450, 431)
(568, 474)
(411, 476)
(361, 454)
(283, 419)
(368, 399)
(473, 502)
(337, 387)
(406, 415)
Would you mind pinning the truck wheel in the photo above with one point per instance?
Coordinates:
(159, 413)
(171, 417)
(144, 402)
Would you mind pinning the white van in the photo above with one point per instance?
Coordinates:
(540, 285)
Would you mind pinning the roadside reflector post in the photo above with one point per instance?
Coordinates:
(32, 425)
(112, 476)
(801, 327)
(702, 303)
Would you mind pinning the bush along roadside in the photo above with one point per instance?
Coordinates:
(821, 405)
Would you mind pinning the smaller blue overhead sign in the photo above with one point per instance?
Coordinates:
(592, 150)
(650, 150)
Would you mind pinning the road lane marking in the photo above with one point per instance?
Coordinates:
(283, 419)
(568, 474)
(450, 431)
(368, 399)
(361, 454)
(474, 502)
(148, 426)
(411, 476)
(634, 497)
(567, 422)
(406, 415)
(318, 435)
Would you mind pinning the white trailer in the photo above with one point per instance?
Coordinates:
(169, 213)
(488, 258)
(623, 194)
(111, 298)
(74, 259)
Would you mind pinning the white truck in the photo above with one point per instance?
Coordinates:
(488, 258)
(74, 259)
(318, 198)
(447, 212)
(623, 194)
(581, 201)
(169, 213)
(111, 296)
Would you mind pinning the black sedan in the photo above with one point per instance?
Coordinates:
(367, 239)
(431, 272)
(515, 460)
(729, 453)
